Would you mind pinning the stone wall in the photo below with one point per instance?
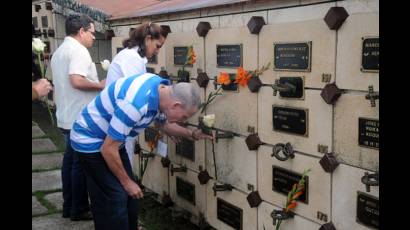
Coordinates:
(345, 127)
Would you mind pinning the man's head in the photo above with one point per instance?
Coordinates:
(81, 27)
(180, 102)
(149, 37)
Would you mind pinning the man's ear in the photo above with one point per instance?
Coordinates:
(176, 104)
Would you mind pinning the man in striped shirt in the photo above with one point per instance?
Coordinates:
(123, 110)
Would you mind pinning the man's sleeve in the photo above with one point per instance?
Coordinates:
(125, 117)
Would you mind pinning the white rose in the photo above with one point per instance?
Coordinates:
(209, 120)
(37, 45)
(105, 64)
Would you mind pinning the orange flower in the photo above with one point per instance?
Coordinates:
(153, 143)
(224, 79)
(297, 195)
(292, 205)
(242, 77)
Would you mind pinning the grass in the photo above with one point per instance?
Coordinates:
(51, 209)
(154, 216)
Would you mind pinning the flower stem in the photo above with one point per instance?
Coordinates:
(278, 224)
(45, 97)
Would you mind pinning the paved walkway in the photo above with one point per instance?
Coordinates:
(47, 198)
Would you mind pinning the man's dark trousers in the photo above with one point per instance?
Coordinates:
(75, 193)
(111, 205)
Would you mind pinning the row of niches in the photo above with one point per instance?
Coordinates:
(247, 182)
(304, 105)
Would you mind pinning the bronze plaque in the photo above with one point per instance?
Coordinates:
(298, 83)
(369, 132)
(229, 214)
(232, 86)
(180, 55)
(186, 148)
(290, 120)
(292, 56)
(228, 56)
(185, 190)
(119, 49)
(370, 54)
(367, 210)
(283, 181)
(150, 70)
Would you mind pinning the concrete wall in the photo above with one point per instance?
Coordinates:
(331, 197)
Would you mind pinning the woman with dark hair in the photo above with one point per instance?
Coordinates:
(144, 42)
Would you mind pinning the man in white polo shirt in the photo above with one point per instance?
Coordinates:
(76, 84)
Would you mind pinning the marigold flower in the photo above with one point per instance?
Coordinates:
(242, 77)
(292, 205)
(224, 79)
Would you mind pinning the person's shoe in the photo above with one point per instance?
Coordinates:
(82, 216)
(66, 215)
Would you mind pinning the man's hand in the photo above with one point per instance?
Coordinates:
(133, 190)
(197, 134)
(42, 87)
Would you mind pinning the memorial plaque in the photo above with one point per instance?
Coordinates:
(297, 82)
(150, 70)
(290, 120)
(180, 55)
(229, 56)
(367, 212)
(292, 56)
(150, 134)
(186, 148)
(283, 181)
(153, 59)
(44, 21)
(119, 49)
(233, 86)
(370, 54)
(186, 190)
(369, 132)
(229, 214)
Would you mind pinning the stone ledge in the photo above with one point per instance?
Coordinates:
(42, 145)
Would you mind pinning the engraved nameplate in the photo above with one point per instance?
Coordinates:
(367, 211)
(185, 190)
(180, 55)
(370, 54)
(228, 56)
(369, 132)
(290, 120)
(229, 214)
(292, 56)
(186, 148)
(283, 181)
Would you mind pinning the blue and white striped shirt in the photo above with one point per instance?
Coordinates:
(122, 110)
